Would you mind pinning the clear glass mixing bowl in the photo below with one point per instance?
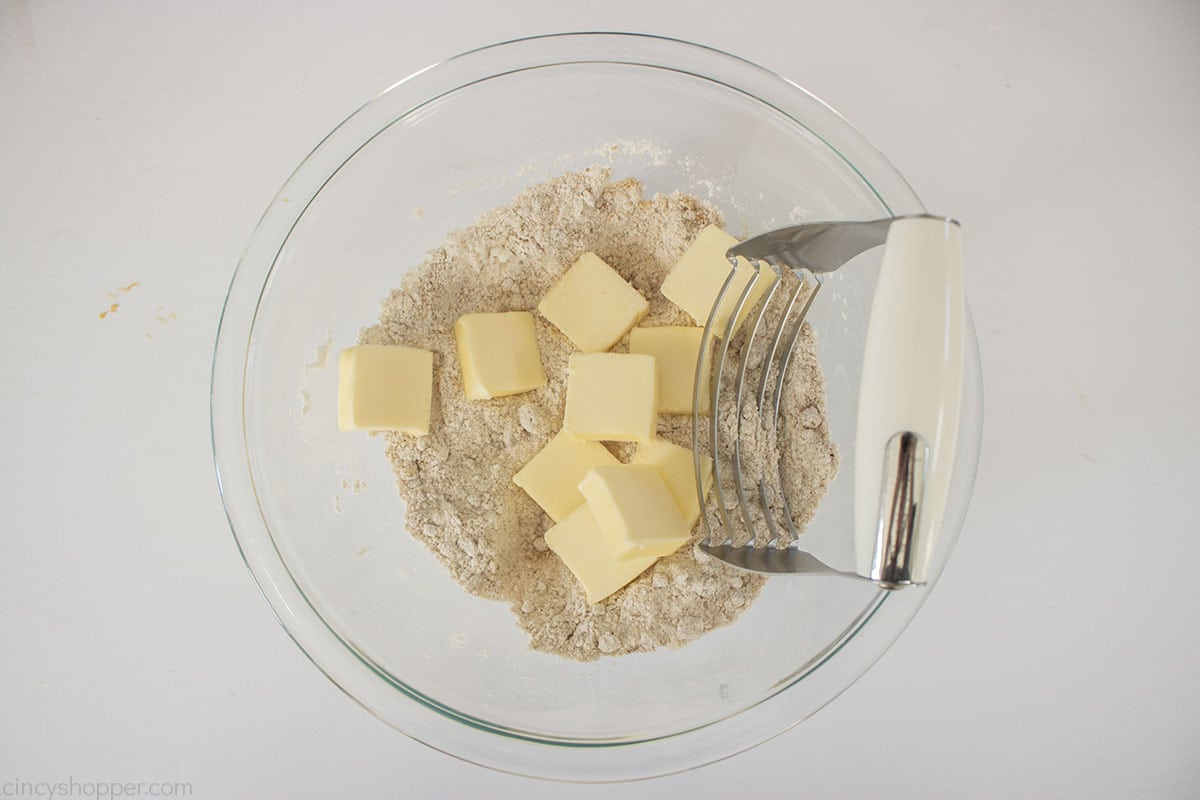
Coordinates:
(316, 514)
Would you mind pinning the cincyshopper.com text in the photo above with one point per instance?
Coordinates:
(93, 790)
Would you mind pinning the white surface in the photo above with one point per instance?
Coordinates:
(140, 142)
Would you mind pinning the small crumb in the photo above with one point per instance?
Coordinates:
(110, 310)
(532, 419)
(799, 214)
(320, 355)
(305, 401)
(418, 212)
(120, 290)
(689, 628)
(362, 551)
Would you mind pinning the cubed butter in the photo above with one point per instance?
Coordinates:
(552, 476)
(675, 352)
(577, 540)
(611, 396)
(385, 388)
(498, 354)
(593, 305)
(635, 511)
(696, 279)
(678, 470)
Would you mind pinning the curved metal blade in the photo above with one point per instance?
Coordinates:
(773, 560)
(815, 246)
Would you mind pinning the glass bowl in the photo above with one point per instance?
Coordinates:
(316, 513)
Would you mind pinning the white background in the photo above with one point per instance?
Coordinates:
(1058, 656)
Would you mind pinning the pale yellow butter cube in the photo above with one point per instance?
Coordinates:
(611, 397)
(578, 541)
(552, 476)
(696, 279)
(498, 354)
(635, 511)
(593, 305)
(678, 470)
(675, 352)
(385, 388)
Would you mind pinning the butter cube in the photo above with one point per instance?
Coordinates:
(385, 388)
(678, 471)
(611, 396)
(593, 305)
(675, 352)
(577, 540)
(552, 477)
(696, 279)
(635, 511)
(498, 354)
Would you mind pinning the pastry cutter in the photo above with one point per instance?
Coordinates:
(908, 405)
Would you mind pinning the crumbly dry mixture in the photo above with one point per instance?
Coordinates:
(457, 481)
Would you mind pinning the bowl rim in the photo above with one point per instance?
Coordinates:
(232, 466)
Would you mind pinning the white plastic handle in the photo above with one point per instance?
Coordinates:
(912, 378)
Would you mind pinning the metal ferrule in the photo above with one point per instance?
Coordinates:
(893, 564)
